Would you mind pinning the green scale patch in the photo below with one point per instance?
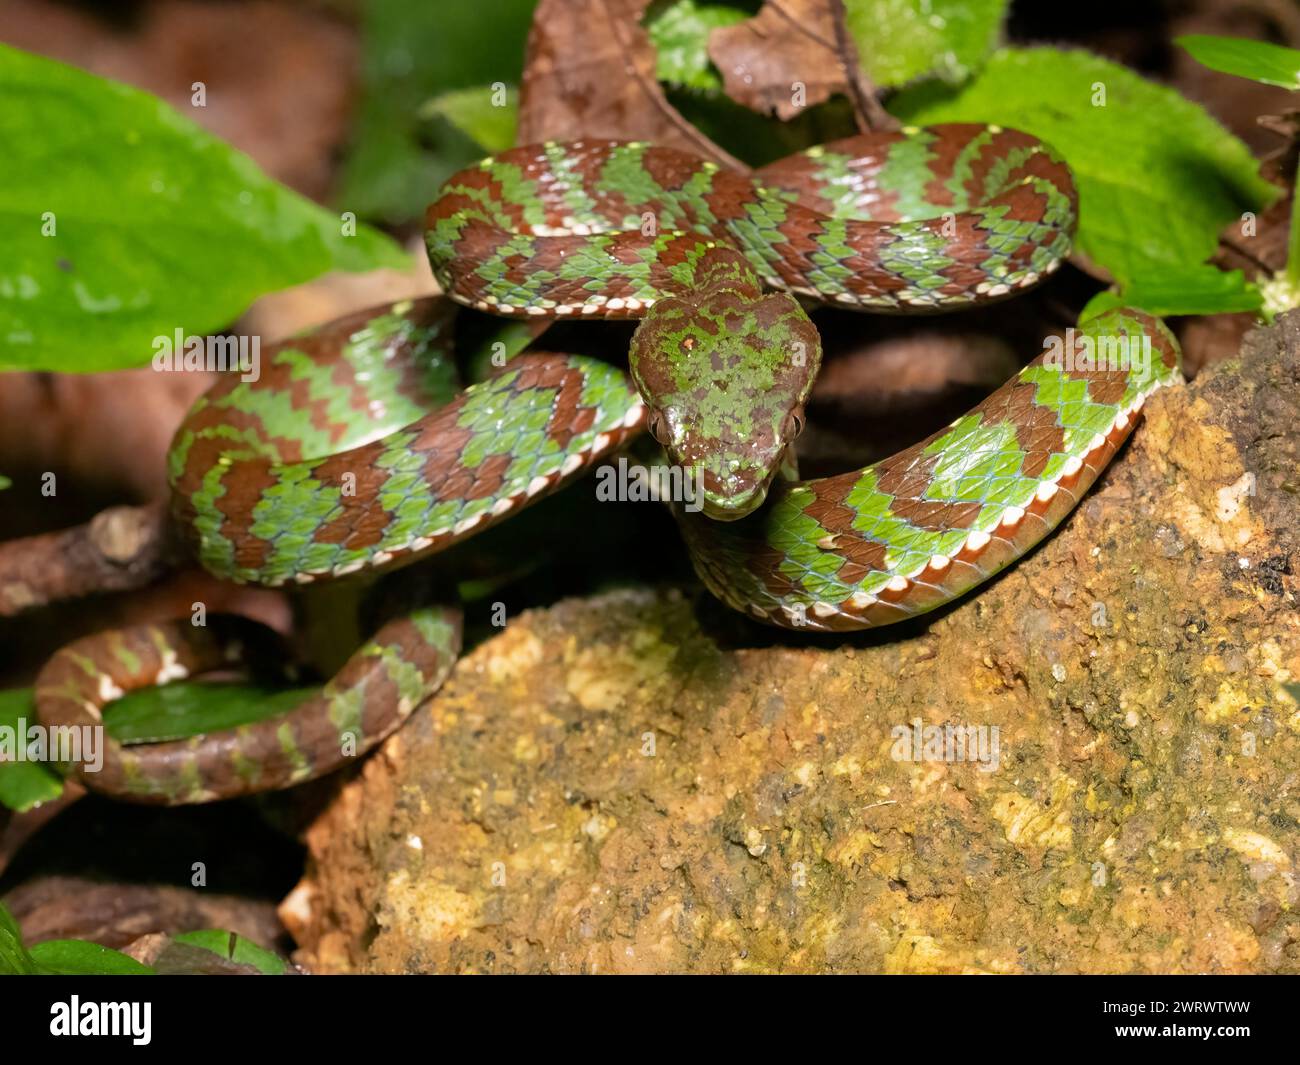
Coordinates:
(377, 378)
(501, 418)
(906, 173)
(917, 253)
(915, 250)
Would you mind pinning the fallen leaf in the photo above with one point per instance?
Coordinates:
(590, 72)
(789, 43)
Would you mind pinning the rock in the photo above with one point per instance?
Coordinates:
(640, 781)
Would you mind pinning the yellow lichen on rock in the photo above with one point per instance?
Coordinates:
(1255, 847)
(437, 910)
(1031, 825)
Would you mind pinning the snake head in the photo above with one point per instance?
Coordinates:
(725, 373)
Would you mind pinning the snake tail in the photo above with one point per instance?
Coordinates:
(372, 694)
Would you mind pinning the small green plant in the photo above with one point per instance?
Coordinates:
(77, 957)
(66, 957)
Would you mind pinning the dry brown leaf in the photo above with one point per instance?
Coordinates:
(111, 430)
(792, 55)
(590, 72)
(788, 43)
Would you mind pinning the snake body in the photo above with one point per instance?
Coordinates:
(373, 693)
(919, 220)
(356, 450)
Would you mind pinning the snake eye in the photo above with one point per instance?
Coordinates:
(793, 425)
(658, 427)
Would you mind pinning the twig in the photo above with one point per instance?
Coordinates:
(119, 549)
(867, 108)
(1233, 245)
(650, 87)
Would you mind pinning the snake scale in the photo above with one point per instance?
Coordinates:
(357, 450)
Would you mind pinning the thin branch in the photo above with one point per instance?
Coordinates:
(119, 549)
(867, 108)
(1240, 249)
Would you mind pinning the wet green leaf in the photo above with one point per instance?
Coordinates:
(680, 33)
(123, 221)
(1270, 63)
(476, 114)
(1157, 176)
(76, 957)
(1210, 290)
(901, 40)
(14, 959)
(23, 784)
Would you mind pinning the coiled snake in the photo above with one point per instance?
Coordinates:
(355, 450)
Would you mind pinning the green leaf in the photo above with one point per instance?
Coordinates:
(122, 221)
(23, 784)
(902, 40)
(1158, 178)
(413, 53)
(1270, 63)
(235, 948)
(14, 959)
(68, 957)
(680, 33)
(473, 112)
(194, 708)
(1210, 290)
(76, 957)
